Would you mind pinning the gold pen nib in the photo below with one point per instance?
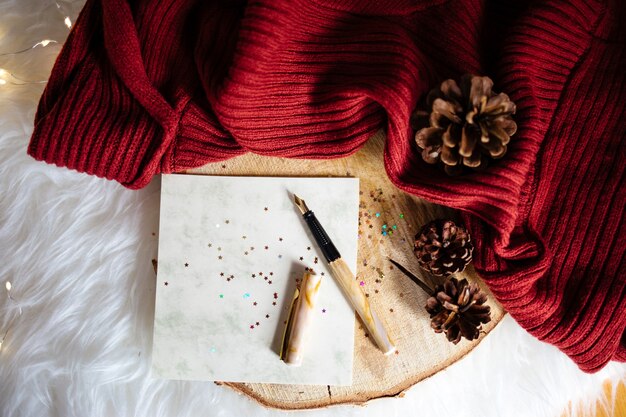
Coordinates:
(300, 203)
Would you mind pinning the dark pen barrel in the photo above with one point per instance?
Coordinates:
(329, 250)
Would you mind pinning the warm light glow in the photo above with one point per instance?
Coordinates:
(45, 42)
(8, 285)
(68, 22)
(3, 73)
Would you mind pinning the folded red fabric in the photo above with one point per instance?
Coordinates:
(145, 87)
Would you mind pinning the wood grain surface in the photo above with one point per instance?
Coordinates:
(389, 219)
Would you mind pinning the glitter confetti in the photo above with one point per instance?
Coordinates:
(362, 283)
(381, 274)
(227, 221)
(267, 316)
(252, 326)
(401, 216)
(166, 283)
(246, 295)
(221, 295)
(212, 350)
(377, 214)
(280, 239)
(244, 237)
(265, 209)
(275, 295)
(267, 247)
(210, 245)
(219, 257)
(323, 310)
(254, 304)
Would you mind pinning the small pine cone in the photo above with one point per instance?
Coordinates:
(443, 248)
(468, 124)
(458, 309)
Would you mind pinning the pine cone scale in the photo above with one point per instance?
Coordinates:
(451, 89)
(468, 142)
(448, 156)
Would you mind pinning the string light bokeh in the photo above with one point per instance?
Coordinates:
(8, 286)
(9, 78)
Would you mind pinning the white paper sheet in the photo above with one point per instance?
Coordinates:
(230, 251)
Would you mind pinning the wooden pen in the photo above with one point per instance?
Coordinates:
(346, 279)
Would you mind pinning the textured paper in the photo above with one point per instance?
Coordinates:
(208, 327)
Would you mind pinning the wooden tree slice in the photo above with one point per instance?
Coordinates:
(389, 219)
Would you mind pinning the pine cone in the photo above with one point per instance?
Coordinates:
(468, 124)
(457, 308)
(443, 248)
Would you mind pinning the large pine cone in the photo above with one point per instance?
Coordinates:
(468, 124)
(443, 248)
(458, 309)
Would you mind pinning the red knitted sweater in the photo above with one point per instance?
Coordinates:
(143, 87)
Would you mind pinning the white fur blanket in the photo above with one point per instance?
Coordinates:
(77, 251)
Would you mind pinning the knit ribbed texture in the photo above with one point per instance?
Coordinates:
(163, 86)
